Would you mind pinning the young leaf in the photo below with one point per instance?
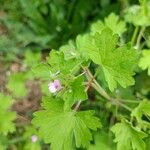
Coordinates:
(61, 128)
(128, 137)
(98, 26)
(138, 15)
(59, 64)
(117, 63)
(79, 49)
(82, 44)
(116, 25)
(69, 50)
(78, 89)
(75, 93)
(145, 61)
(112, 22)
(42, 71)
(142, 109)
(6, 117)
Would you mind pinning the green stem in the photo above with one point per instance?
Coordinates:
(113, 100)
(97, 86)
(77, 106)
(130, 101)
(134, 35)
(140, 37)
(102, 92)
(125, 106)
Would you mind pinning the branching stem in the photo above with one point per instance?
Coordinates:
(114, 101)
(102, 92)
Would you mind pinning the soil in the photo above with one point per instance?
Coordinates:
(24, 107)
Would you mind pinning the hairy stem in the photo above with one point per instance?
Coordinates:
(140, 37)
(134, 35)
(102, 92)
(130, 101)
(77, 106)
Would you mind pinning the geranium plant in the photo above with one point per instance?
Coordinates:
(89, 82)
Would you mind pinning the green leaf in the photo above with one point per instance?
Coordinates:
(113, 22)
(79, 49)
(75, 93)
(6, 116)
(145, 61)
(138, 15)
(61, 128)
(147, 141)
(102, 141)
(16, 84)
(69, 50)
(78, 89)
(42, 71)
(127, 137)
(82, 45)
(116, 25)
(142, 109)
(117, 63)
(98, 26)
(58, 64)
(44, 89)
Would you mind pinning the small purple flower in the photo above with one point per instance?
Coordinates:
(34, 138)
(54, 86)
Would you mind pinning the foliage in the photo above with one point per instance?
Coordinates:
(120, 70)
(128, 137)
(28, 135)
(113, 22)
(102, 141)
(145, 61)
(141, 110)
(45, 24)
(17, 81)
(139, 15)
(95, 88)
(6, 117)
(65, 125)
(16, 84)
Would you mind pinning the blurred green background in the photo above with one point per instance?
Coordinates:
(46, 24)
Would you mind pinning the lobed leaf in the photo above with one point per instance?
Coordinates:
(113, 22)
(127, 137)
(145, 60)
(56, 124)
(6, 116)
(117, 63)
(142, 109)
